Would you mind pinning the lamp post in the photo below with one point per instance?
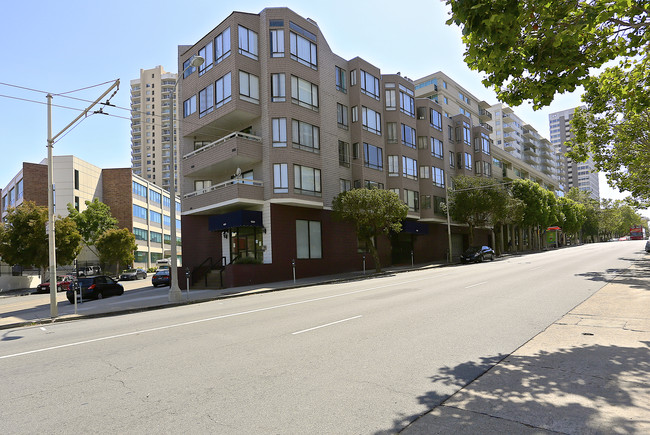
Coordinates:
(175, 294)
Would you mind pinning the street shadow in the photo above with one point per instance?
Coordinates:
(635, 276)
(526, 386)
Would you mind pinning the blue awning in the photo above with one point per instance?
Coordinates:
(239, 218)
(415, 227)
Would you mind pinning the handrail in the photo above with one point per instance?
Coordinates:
(222, 140)
(246, 181)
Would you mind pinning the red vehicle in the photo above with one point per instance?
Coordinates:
(637, 232)
(62, 284)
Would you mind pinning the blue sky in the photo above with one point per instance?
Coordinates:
(61, 46)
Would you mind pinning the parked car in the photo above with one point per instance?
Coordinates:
(62, 283)
(477, 254)
(95, 287)
(89, 271)
(130, 274)
(161, 277)
(647, 246)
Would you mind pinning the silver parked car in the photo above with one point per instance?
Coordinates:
(130, 274)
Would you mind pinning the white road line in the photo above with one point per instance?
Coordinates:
(475, 285)
(209, 319)
(323, 326)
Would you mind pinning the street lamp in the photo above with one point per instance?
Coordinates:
(175, 294)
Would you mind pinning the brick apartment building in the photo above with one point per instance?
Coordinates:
(137, 204)
(274, 125)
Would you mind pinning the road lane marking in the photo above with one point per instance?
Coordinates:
(325, 325)
(209, 319)
(475, 285)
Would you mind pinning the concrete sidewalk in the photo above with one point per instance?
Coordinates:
(588, 373)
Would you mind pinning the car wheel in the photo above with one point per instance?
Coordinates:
(491, 257)
(120, 292)
(100, 295)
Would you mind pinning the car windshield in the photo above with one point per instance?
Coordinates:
(130, 271)
(473, 250)
(162, 272)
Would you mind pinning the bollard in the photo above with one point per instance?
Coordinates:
(364, 264)
(293, 265)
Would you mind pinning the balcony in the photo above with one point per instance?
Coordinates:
(484, 115)
(224, 197)
(224, 155)
(486, 126)
(509, 174)
(530, 150)
(508, 127)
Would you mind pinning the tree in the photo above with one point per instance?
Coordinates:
(592, 214)
(373, 212)
(477, 202)
(94, 221)
(117, 247)
(534, 49)
(24, 241)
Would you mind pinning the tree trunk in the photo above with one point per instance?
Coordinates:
(375, 255)
(471, 235)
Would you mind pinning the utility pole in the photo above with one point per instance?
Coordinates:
(54, 312)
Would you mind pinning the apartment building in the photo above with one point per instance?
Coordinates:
(136, 203)
(274, 125)
(151, 126)
(582, 175)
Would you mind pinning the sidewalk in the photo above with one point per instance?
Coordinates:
(588, 373)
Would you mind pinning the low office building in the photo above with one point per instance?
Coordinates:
(274, 125)
(137, 204)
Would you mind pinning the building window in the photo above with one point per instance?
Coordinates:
(139, 189)
(412, 199)
(279, 132)
(155, 217)
(468, 161)
(355, 150)
(280, 178)
(206, 100)
(369, 85)
(155, 237)
(408, 136)
(303, 50)
(140, 257)
(307, 180)
(305, 136)
(451, 159)
(206, 53)
(340, 79)
(355, 114)
(353, 77)
(393, 166)
(391, 101)
(436, 119)
(308, 239)
(167, 221)
(187, 69)
(391, 132)
(155, 197)
(344, 154)
(76, 180)
(406, 101)
(139, 212)
(189, 106)
(277, 43)
(247, 42)
(278, 88)
(249, 87)
(76, 202)
(372, 157)
(409, 168)
(436, 148)
(224, 90)
(19, 190)
(222, 45)
(369, 184)
(467, 137)
(371, 120)
(345, 185)
(487, 169)
(424, 172)
(438, 176)
(140, 234)
(342, 115)
(202, 184)
(425, 202)
(304, 93)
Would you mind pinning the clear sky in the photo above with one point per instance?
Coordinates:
(65, 45)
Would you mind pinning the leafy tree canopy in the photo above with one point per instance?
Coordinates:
(373, 212)
(94, 221)
(117, 247)
(531, 50)
(24, 241)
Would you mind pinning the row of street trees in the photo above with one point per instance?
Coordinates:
(24, 240)
(524, 204)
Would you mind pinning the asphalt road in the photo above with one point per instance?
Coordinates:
(358, 357)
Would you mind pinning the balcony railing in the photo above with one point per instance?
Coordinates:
(225, 184)
(223, 140)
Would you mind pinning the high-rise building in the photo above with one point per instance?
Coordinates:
(151, 97)
(582, 175)
(274, 125)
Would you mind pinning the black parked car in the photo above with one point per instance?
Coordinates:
(477, 254)
(95, 287)
(161, 277)
(130, 274)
